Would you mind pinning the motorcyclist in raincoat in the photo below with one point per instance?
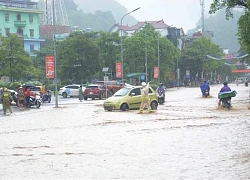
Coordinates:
(205, 86)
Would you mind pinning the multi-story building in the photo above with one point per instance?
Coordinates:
(21, 17)
(175, 35)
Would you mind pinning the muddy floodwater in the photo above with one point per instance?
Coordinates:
(186, 138)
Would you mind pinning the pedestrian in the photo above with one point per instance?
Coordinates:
(145, 101)
(20, 98)
(27, 97)
(6, 100)
(80, 93)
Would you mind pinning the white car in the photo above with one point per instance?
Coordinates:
(70, 90)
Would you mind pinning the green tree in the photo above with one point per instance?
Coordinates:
(144, 44)
(243, 23)
(194, 59)
(109, 49)
(12, 52)
(78, 59)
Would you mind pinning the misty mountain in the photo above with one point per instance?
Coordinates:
(224, 31)
(90, 6)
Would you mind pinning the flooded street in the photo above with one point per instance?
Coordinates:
(186, 138)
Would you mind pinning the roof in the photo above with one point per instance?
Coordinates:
(159, 24)
(135, 74)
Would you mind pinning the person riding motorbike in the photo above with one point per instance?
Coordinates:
(225, 88)
(160, 91)
(205, 87)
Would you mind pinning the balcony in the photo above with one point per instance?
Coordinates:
(20, 23)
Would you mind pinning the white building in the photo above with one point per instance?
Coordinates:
(165, 30)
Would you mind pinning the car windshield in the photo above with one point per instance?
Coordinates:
(122, 92)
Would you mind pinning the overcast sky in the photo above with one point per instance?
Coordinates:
(180, 13)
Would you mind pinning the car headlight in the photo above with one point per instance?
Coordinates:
(117, 100)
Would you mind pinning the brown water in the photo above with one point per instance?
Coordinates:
(186, 138)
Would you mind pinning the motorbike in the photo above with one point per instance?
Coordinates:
(206, 93)
(226, 103)
(35, 101)
(246, 84)
(14, 97)
(161, 96)
(47, 96)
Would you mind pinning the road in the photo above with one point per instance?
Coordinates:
(186, 138)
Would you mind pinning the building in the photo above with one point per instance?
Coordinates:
(21, 17)
(175, 35)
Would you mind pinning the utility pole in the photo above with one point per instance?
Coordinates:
(146, 57)
(11, 57)
(55, 60)
(202, 15)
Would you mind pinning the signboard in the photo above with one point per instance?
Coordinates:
(228, 56)
(49, 61)
(187, 74)
(241, 71)
(156, 72)
(105, 69)
(118, 70)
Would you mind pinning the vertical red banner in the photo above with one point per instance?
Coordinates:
(49, 61)
(156, 72)
(118, 70)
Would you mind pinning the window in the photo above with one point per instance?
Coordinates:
(18, 17)
(31, 33)
(30, 18)
(7, 31)
(20, 31)
(137, 91)
(7, 17)
(32, 47)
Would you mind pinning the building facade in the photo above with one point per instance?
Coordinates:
(21, 17)
(175, 35)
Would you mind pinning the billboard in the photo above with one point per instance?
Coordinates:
(156, 72)
(118, 70)
(49, 63)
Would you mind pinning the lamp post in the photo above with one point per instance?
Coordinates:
(121, 39)
(54, 44)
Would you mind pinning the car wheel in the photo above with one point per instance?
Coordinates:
(124, 107)
(64, 95)
(154, 105)
(85, 98)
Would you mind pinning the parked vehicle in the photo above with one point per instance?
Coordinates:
(94, 91)
(35, 100)
(113, 86)
(70, 90)
(129, 98)
(47, 96)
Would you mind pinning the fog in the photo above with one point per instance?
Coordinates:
(179, 13)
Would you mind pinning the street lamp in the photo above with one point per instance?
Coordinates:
(54, 44)
(121, 38)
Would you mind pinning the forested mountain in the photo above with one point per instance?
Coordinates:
(224, 31)
(90, 6)
(97, 21)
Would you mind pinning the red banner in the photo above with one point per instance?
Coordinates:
(118, 70)
(241, 71)
(49, 60)
(156, 72)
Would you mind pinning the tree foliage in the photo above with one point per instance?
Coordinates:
(243, 23)
(194, 59)
(78, 59)
(12, 52)
(144, 45)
